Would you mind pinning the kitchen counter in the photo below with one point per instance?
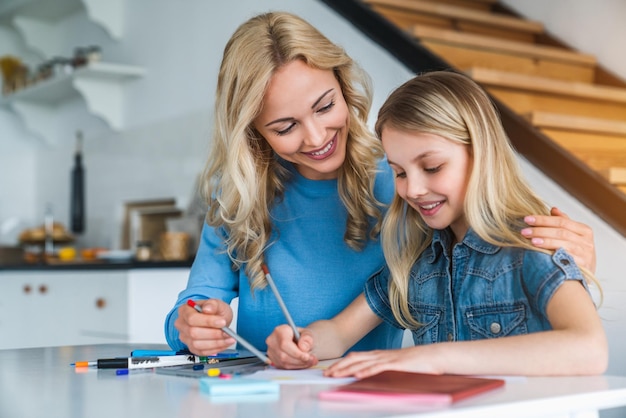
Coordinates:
(95, 265)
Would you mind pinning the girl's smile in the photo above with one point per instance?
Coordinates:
(432, 173)
(429, 209)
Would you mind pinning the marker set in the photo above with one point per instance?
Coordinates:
(232, 367)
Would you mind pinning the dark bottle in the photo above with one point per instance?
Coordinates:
(77, 198)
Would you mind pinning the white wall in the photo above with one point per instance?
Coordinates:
(169, 119)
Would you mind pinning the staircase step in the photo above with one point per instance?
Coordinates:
(464, 50)
(616, 175)
(525, 94)
(600, 152)
(404, 13)
(549, 86)
(577, 123)
(485, 5)
(489, 43)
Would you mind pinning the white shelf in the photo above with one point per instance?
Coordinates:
(37, 19)
(100, 84)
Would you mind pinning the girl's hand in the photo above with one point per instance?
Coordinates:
(285, 353)
(201, 332)
(559, 231)
(369, 363)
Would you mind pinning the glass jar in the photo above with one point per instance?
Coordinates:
(143, 251)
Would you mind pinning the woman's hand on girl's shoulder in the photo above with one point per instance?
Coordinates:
(559, 231)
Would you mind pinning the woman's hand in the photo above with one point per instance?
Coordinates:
(559, 231)
(201, 332)
(285, 353)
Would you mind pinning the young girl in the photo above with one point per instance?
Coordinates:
(459, 276)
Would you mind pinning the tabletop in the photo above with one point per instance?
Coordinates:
(39, 382)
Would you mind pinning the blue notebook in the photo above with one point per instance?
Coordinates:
(237, 386)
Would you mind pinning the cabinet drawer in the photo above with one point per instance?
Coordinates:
(62, 308)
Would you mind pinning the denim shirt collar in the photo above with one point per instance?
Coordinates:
(442, 238)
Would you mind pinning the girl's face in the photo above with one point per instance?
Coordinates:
(431, 175)
(305, 119)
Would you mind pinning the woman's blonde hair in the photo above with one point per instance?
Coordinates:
(453, 106)
(242, 179)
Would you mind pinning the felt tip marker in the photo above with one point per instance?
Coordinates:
(236, 336)
(126, 372)
(139, 362)
(283, 307)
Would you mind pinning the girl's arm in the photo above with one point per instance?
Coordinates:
(322, 339)
(576, 345)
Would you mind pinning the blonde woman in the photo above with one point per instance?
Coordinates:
(478, 298)
(296, 181)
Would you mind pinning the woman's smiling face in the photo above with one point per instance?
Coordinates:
(305, 119)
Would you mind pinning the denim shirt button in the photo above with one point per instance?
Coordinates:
(495, 328)
(450, 337)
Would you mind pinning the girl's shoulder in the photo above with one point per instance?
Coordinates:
(544, 273)
(543, 264)
(534, 262)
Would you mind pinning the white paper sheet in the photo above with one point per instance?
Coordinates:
(314, 375)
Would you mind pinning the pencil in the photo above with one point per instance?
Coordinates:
(283, 307)
(236, 336)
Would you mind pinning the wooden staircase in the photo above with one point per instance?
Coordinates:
(562, 111)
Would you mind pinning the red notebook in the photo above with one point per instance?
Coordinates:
(419, 388)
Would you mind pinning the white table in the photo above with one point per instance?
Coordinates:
(39, 382)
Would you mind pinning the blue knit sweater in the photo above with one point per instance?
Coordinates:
(317, 274)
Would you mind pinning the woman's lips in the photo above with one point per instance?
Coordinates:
(324, 152)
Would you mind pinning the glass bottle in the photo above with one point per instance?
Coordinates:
(77, 197)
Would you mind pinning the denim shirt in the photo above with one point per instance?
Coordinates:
(481, 291)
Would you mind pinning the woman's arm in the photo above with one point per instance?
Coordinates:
(559, 231)
(576, 345)
(211, 277)
(323, 339)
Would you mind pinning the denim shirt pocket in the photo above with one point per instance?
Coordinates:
(498, 320)
(429, 317)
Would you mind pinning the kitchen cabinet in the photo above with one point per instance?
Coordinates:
(61, 307)
(51, 308)
(152, 293)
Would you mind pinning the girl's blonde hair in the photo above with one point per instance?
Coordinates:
(243, 179)
(453, 106)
